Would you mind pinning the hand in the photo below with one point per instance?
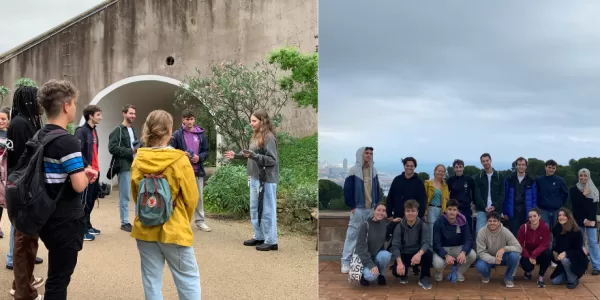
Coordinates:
(246, 154)
(416, 259)
(532, 261)
(353, 210)
(134, 150)
(555, 255)
(375, 271)
(400, 269)
(472, 206)
(91, 174)
(499, 255)
(229, 154)
(562, 255)
(586, 191)
(449, 260)
(195, 158)
(462, 258)
(397, 220)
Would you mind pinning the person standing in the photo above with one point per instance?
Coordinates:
(534, 237)
(191, 140)
(123, 145)
(4, 145)
(437, 197)
(520, 192)
(263, 169)
(88, 139)
(406, 186)
(489, 191)
(462, 188)
(584, 199)
(552, 193)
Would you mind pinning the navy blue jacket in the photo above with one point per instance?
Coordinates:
(552, 192)
(447, 235)
(509, 192)
(84, 134)
(354, 192)
(178, 142)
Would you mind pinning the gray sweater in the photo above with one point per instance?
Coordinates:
(367, 246)
(411, 238)
(267, 157)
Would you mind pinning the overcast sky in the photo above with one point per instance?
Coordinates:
(23, 20)
(440, 80)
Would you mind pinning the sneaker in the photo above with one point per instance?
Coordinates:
(381, 280)
(203, 227)
(38, 260)
(88, 237)
(363, 281)
(509, 283)
(485, 279)
(439, 276)
(9, 266)
(461, 277)
(404, 279)
(424, 282)
(94, 231)
(527, 275)
(37, 283)
(345, 268)
(540, 282)
(39, 297)
(573, 285)
(126, 227)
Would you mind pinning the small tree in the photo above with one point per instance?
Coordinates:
(303, 80)
(232, 93)
(4, 91)
(25, 82)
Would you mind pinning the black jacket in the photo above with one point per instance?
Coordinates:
(178, 142)
(583, 207)
(462, 188)
(85, 134)
(403, 189)
(572, 244)
(20, 130)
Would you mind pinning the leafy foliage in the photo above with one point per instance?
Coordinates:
(303, 81)
(71, 128)
(25, 82)
(423, 175)
(298, 206)
(4, 91)
(329, 191)
(227, 191)
(300, 156)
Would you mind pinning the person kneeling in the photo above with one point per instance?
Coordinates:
(496, 245)
(534, 237)
(410, 246)
(568, 253)
(452, 242)
(370, 247)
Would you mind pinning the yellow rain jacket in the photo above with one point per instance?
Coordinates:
(176, 168)
(429, 189)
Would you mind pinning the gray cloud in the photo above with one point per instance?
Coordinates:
(446, 79)
(25, 19)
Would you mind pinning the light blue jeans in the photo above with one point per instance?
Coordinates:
(124, 196)
(181, 261)
(592, 245)
(356, 219)
(433, 213)
(568, 275)
(11, 246)
(382, 260)
(481, 221)
(550, 217)
(509, 259)
(267, 230)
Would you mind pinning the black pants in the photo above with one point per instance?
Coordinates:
(89, 197)
(543, 260)
(519, 218)
(64, 239)
(426, 261)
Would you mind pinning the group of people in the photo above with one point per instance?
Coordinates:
(425, 224)
(71, 171)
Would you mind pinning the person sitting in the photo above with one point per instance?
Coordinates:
(534, 237)
(571, 261)
(452, 242)
(410, 246)
(496, 245)
(370, 247)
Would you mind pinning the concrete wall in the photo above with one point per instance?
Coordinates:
(135, 37)
(332, 232)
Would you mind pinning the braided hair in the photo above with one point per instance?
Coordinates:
(25, 104)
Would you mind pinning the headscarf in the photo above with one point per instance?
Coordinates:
(590, 185)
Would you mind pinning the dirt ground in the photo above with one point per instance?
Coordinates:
(109, 267)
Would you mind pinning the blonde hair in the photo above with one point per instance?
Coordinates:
(435, 169)
(265, 129)
(159, 124)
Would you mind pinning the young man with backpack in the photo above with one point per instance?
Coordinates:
(190, 139)
(88, 138)
(49, 179)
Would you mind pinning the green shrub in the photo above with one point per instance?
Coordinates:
(300, 156)
(298, 206)
(338, 204)
(227, 191)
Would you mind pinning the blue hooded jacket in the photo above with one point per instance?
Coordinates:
(354, 187)
(451, 235)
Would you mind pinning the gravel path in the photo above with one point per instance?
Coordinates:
(109, 268)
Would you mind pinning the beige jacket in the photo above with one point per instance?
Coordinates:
(488, 243)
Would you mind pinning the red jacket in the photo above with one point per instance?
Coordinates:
(534, 242)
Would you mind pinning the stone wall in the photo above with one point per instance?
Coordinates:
(332, 232)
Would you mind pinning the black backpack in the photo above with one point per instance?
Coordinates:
(27, 201)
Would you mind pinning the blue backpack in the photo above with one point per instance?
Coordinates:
(154, 202)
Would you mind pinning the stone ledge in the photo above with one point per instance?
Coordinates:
(333, 214)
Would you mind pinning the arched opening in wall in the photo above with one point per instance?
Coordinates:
(146, 93)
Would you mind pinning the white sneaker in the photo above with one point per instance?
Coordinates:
(553, 265)
(37, 283)
(461, 278)
(345, 268)
(39, 297)
(485, 279)
(203, 227)
(509, 283)
(439, 276)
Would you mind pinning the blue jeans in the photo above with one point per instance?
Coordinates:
(11, 246)
(592, 245)
(181, 261)
(382, 260)
(568, 275)
(433, 213)
(267, 230)
(356, 219)
(124, 194)
(509, 259)
(481, 221)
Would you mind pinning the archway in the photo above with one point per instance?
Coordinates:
(146, 93)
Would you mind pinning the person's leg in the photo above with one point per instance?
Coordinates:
(481, 221)
(199, 212)
(559, 279)
(184, 268)
(92, 196)
(432, 215)
(368, 275)
(438, 264)
(382, 259)
(483, 268)
(471, 258)
(11, 246)
(152, 262)
(511, 260)
(124, 194)
(593, 248)
(269, 214)
(258, 233)
(23, 263)
(544, 260)
(566, 263)
(354, 223)
(526, 265)
(426, 261)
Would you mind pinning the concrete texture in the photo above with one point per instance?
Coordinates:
(109, 268)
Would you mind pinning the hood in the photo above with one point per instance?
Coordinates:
(356, 170)
(541, 226)
(497, 231)
(461, 220)
(405, 225)
(156, 160)
(195, 129)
